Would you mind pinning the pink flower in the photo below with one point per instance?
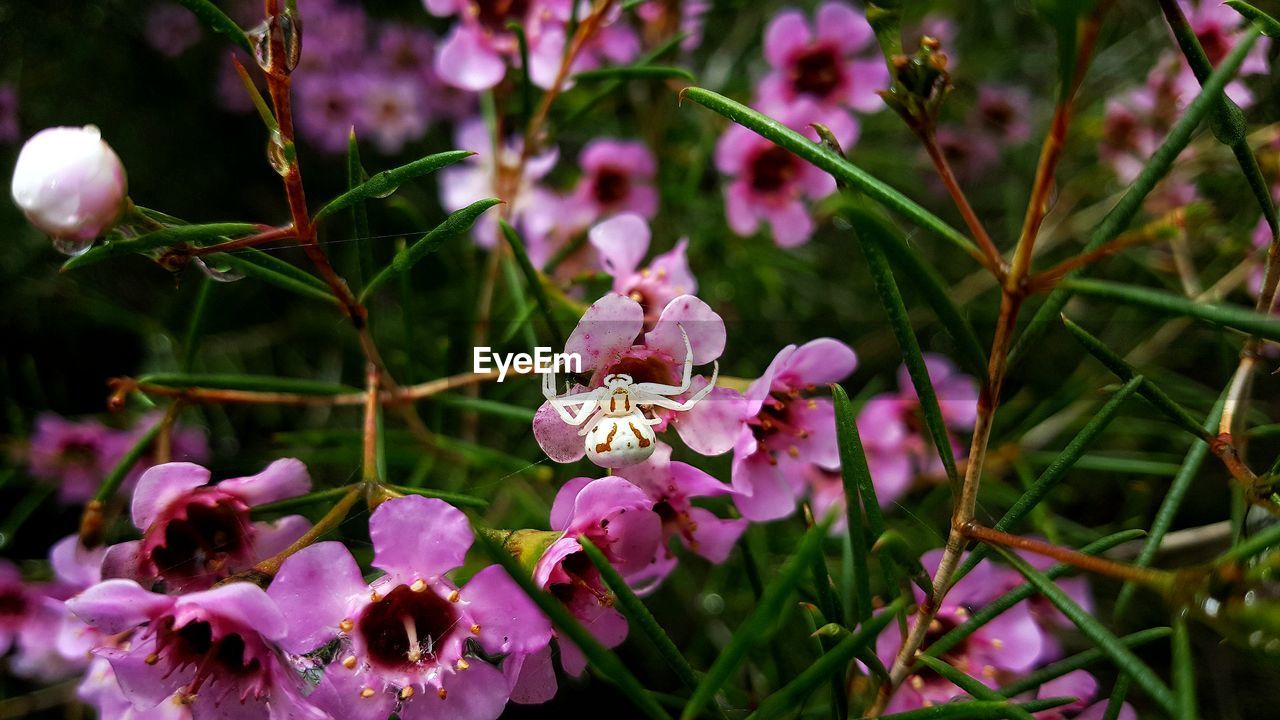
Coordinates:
(392, 112)
(217, 649)
(52, 643)
(1011, 643)
(611, 339)
(970, 153)
(70, 184)
(618, 518)
(672, 486)
(328, 107)
(76, 455)
(1045, 613)
(533, 212)
(101, 690)
(784, 430)
(475, 54)
(1002, 113)
(768, 183)
(1217, 27)
(334, 36)
(688, 19)
(171, 29)
(194, 533)
(617, 178)
(896, 442)
(833, 64)
(406, 637)
(621, 243)
(9, 130)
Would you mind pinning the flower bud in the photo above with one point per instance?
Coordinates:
(70, 184)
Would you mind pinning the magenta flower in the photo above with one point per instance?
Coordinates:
(17, 603)
(611, 340)
(785, 430)
(405, 639)
(1217, 27)
(328, 107)
(672, 486)
(335, 35)
(688, 20)
(1011, 643)
(475, 54)
(76, 455)
(194, 533)
(768, 183)
(897, 445)
(535, 209)
(102, 692)
(392, 112)
(186, 444)
(1002, 113)
(618, 518)
(171, 29)
(621, 243)
(52, 643)
(971, 154)
(617, 178)
(1045, 613)
(832, 64)
(217, 649)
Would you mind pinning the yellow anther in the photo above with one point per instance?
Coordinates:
(346, 625)
(152, 659)
(453, 596)
(442, 693)
(418, 585)
(463, 664)
(349, 662)
(366, 693)
(406, 692)
(475, 629)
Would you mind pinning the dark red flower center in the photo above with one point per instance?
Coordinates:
(1215, 44)
(612, 185)
(772, 169)
(645, 367)
(494, 14)
(997, 115)
(775, 427)
(79, 452)
(196, 644)
(941, 625)
(817, 71)
(406, 627)
(13, 603)
(202, 539)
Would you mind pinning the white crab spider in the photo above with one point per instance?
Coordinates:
(618, 433)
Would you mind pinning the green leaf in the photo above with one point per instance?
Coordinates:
(922, 277)
(610, 667)
(518, 413)
(252, 383)
(962, 710)
(632, 72)
(757, 627)
(1156, 168)
(1267, 24)
(388, 181)
(534, 279)
(177, 235)
(1115, 704)
(111, 483)
(1049, 672)
(1245, 320)
(302, 501)
(640, 616)
(971, 685)
(856, 475)
(1172, 502)
(1184, 671)
(217, 21)
(832, 663)
(1151, 392)
(610, 86)
(526, 85)
(1094, 630)
(1064, 16)
(1056, 472)
(195, 323)
(865, 224)
(828, 160)
(270, 269)
(453, 498)
(456, 224)
(359, 211)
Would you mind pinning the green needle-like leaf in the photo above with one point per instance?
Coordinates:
(534, 279)
(1269, 25)
(830, 161)
(519, 413)
(832, 663)
(1049, 672)
(359, 211)
(971, 685)
(1172, 502)
(388, 181)
(757, 627)
(272, 270)
(458, 499)
(111, 483)
(856, 474)
(610, 667)
(217, 21)
(1056, 472)
(1184, 672)
(456, 224)
(1151, 392)
(640, 616)
(865, 224)
(963, 710)
(253, 383)
(302, 501)
(1094, 630)
(632, 72)
(1156, 168)
(1242, 319)
(180, 234)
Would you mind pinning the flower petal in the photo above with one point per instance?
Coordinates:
(242, 602)
(114, 606)
(562, 507)
(817, 362)
(160, 486)
(557, 438)
(417, 537)
(703, 325)
(787, 33)
(610, 326)
(284, 478)
(464, 60)
(535, 677)
(711, 426)
(509, 621)
(843, 25)
(621, 241)
(715, 536)
(273, 537)
(313, 588)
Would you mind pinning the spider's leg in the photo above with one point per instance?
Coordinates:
(591, 425)
(562, 404)
(666, 402)
(686, 377)
(585, 411)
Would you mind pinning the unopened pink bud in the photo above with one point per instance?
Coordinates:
(70, 184)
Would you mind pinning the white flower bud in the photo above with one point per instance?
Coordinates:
(70, 184)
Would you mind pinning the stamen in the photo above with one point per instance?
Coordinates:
(375, 597)
(347, 625)
(442, 693)
(917, 682)
(152, 659)
(453, 596)
(418, 585)
(463, 664)
(997, 643)
(349, 662)
(411, 629)
(366, 693)
(406, 692)
(793, 451)
(475, 629)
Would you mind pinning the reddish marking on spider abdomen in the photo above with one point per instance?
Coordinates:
(607, 445)
(644, 441)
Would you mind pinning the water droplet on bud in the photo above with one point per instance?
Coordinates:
(71, 248)
(289, 26)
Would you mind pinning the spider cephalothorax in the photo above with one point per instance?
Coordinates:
(617, 430)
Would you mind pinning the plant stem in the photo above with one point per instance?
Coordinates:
(990, 253)
(269, 567)
(1158, 579)
(393, 396)
(266, 236)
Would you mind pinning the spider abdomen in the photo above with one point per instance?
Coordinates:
(620, 441)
